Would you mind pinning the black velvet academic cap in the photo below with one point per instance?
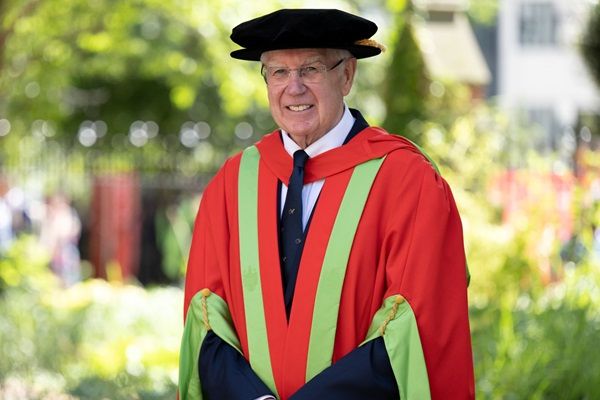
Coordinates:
(305, 28)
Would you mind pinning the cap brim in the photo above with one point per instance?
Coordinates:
(357, 51)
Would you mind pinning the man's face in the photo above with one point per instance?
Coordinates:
(308, 110)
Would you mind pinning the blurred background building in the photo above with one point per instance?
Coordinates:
(540, 70)
(450, 49)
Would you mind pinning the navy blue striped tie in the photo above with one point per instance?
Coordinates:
(292, 234)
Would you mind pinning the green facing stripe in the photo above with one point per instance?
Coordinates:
(327, 301)
(258, 345)
(403, 345)
(194, 333)
(433, 164)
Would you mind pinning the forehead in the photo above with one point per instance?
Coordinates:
(294, 56)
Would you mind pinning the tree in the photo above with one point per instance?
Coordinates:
(113, 63)
(130, 77)
(590, 44)
(406, 89)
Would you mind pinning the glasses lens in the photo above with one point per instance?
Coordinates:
(313, 73)
(279, 75)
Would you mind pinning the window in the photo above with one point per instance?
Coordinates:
(538, 24)
(547, 130)
(440, 16)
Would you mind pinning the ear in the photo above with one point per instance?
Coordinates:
(348, 75)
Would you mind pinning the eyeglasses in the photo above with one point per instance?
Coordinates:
(312, 73)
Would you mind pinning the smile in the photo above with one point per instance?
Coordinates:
(300, 107)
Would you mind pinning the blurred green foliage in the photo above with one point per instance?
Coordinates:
(135, 84)
(483, 12)
(94, 340)
(406, 91)
(534, 331)
(175, 227)
(166, 62)
(120, 62)
(540, 346)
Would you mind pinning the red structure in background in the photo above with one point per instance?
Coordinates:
(522, 193)
(115, 225)
(557, 208)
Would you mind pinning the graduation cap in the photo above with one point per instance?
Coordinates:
(303, 29)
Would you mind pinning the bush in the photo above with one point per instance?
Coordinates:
(94, 340)
(534, 348)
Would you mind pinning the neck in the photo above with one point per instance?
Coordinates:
(305, 141)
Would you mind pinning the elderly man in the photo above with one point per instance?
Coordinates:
(327, 259)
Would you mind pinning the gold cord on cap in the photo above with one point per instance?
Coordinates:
(370, 43)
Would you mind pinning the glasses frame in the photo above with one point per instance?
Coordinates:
(322, 68)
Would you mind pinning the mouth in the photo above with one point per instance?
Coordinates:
(299, 107)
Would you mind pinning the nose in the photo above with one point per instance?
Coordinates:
(295, 86)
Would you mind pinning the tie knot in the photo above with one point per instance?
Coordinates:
(300, 158)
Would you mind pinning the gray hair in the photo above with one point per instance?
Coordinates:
(338, 54)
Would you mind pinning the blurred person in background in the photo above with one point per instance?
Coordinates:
(327, 260)
(59, 233)
(6, 229)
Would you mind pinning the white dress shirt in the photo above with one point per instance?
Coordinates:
(310, 192)
(332, 139)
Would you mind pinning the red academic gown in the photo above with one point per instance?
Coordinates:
(408, 243)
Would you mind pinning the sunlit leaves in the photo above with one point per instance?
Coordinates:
(183, 96)
(122, 61)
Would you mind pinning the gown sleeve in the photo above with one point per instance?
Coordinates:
(364, 373)
(225, 373)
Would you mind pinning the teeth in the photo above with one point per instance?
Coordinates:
(301, 107)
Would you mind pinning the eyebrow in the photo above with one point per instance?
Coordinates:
(315, 59)
(310, 60)
(305, 64)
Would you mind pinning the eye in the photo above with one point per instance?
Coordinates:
(280, 73)
(309, 71)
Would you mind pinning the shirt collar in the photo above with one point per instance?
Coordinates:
(332, 139)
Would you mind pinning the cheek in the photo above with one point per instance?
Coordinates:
(273, 102)
(271, 97)
(331, 99)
